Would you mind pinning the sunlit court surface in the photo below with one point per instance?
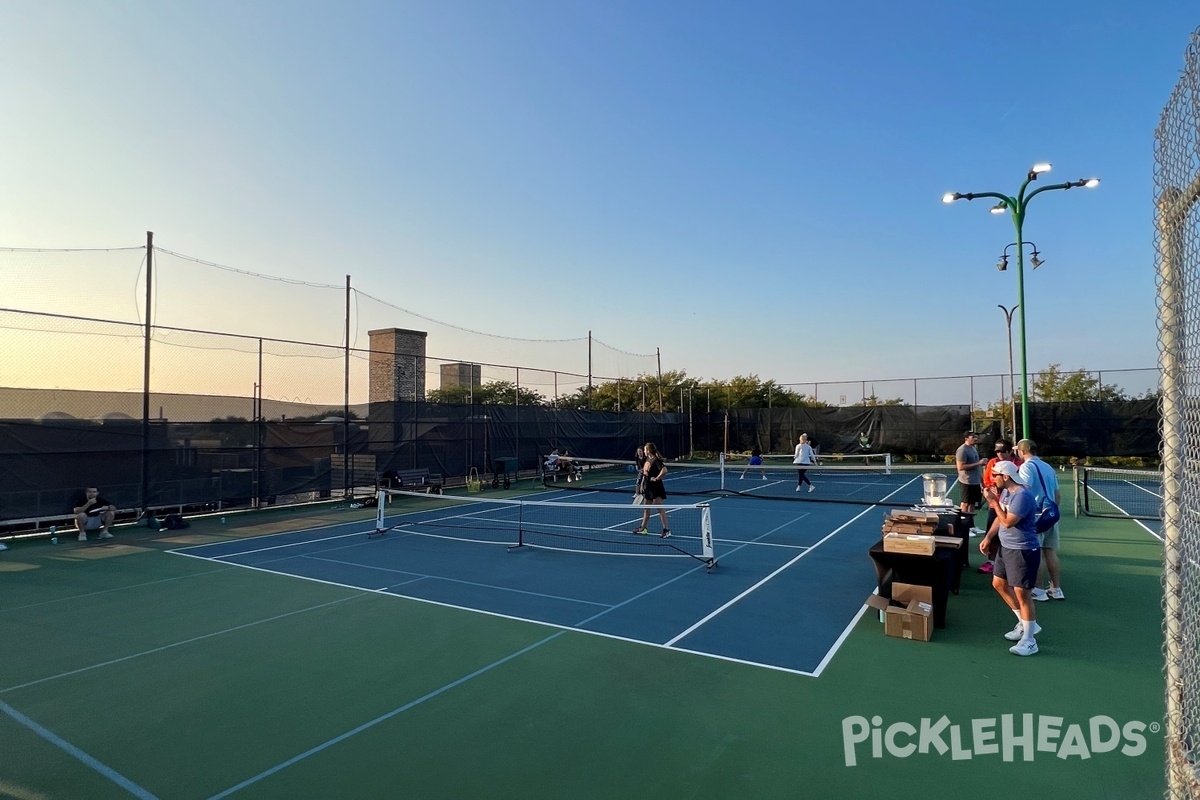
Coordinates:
(316, 653)
(577, 565)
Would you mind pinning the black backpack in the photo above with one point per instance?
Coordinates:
(174, 522)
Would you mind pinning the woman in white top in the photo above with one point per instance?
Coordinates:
(805, 457)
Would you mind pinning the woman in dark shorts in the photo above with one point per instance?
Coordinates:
(653, 472)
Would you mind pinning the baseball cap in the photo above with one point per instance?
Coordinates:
(1009, 469)
(970, 433)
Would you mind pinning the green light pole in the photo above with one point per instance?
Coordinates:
(1017, 207)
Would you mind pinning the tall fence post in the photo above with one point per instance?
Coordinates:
(347, 480)
(145, 498)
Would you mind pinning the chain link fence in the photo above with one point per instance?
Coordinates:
(1177, 192)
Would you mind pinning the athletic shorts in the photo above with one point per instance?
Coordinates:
(755, 460)
(970, 493)
(1050, 538)
(1018, 567)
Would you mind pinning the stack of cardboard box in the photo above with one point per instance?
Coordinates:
(914, 532)
(909, 614)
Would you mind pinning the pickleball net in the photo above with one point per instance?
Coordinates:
(593, 528)
(1122, 493)
(844, 481)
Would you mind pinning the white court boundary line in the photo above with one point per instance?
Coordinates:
(1128, 516)
(668, 645)
(845, 632)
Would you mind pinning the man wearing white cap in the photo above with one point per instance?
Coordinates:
(1016, 569)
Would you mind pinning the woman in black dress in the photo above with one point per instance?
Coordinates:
(653, 472)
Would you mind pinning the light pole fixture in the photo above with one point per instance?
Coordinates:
(1012, 389)
(1017, 206)
(1034, 257)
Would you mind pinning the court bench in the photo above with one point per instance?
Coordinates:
(413, 480)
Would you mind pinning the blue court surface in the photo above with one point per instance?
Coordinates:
(790, 581)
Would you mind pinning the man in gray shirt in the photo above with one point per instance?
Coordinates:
(970, 474)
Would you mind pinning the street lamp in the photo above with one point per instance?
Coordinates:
(1008, 312)
(1034, 257)
(1017, 206)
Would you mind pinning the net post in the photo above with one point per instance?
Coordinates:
(380, 510)
(721, 461)
(887, 463)
(1075, 480)
(706, 535)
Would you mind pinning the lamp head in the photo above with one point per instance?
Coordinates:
(1091, 183)
(1035, 261)
(950, 197)
(999, 208)
(1003, 264)
(1040, 167)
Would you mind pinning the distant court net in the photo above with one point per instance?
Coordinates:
(1124, 493)
(844, 481)
(573, 527)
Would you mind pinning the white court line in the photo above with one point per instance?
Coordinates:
(185, 641)
(182, 551)
(1128, 516)
(72, 598)
(510, 617)
(1144, 489)
(762, 582)
(713, 614)
(273, 535)
(76, 753)
(456, 580)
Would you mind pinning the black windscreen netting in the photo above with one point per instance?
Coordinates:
(232, 461)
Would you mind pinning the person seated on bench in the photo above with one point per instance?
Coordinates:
(91, 512)
(556, 465)
(567, 466)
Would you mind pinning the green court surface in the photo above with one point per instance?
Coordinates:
(128, 671)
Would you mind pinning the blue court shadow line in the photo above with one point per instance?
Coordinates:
(91, 761)
(382, 718)
(476, 584)
(664, 584)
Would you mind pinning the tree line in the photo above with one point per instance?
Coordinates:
(675, 391)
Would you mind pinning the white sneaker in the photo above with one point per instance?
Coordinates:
(1025, 648)
(1016, 633)
(1039, 594)
(82, 537)
(797, 488)
(1056, 593)
(977, 531)
(741, 477)
(811, 487)
(764, 477)
(106, 535)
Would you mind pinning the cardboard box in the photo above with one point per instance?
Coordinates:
(909, 614)
(914, 544)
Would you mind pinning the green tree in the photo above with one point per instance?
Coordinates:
(749, 391)
(495, 393)
(1053, 385)
(633, 394)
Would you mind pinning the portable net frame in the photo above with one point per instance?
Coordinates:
(1119, 493)
(591, 528)
(882, 484)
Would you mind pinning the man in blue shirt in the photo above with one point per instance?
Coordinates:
(1015, 573)
(1041, 481)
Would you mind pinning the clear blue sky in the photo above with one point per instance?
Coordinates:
(751, 187)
